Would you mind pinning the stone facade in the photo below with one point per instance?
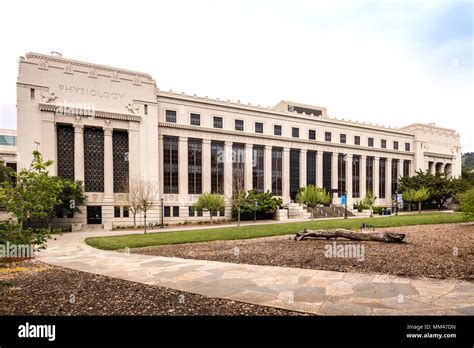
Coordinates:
(53, 92)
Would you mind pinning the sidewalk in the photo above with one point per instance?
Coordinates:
(312, 291)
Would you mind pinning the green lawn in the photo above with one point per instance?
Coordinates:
(255, 231)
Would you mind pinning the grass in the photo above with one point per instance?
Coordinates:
(255, 231)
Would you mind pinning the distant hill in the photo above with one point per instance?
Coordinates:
(468, 160)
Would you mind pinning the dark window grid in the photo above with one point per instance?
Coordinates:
(65, 144)
(258, 127)
(120, 161)
(195, 119)
(311, 168)
(382, 178)
(194, 166)
(167, 211)
(277, 157)
(357, 140)
(369, 174)
(394, 176)
(238, 165)
(170, 116)
(327, 170)
(294, 172)
(395, 145)
(239, 125)
(277, 130)
(258, 173)
(217, 122)
(343, 138)
(175, 211)
(356, 177)
(170, 165)
(341, 173)
(94, 160)
(312, 134)
(327, 136)
(217, 167)
(383, 144)
(116, 212)
(295, 132)
(370, 142)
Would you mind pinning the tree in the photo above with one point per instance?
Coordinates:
(467, 203)
(6, 173)
(239, 194)
(71, 197)
(134, 199)
(146, 197)
(421, 195)
(369, 201)
(211, 202)
(409, 196)
(313, 196)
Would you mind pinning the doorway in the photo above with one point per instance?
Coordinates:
(94, 215)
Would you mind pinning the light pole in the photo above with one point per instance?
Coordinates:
(162, 225)
(255, 205)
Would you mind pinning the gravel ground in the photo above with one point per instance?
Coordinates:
(29, 288)
(428, 251)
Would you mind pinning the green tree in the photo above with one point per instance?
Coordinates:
(421, 195)
(313, 196)
(369, 201)
(6, 173)
(466, 201)
(409, 196)
(71, 197)
(211, 202)
(239, 194)
(266, 204)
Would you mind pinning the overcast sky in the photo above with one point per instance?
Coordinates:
(386, 62)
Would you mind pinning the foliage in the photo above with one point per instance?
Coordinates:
(6, 173)
(71, 197)
(313, 196)
(468, 160)
(409, 196)
(441, 189)
(360, 206)
(239, 194)
(369, 201)
(467, 203)
(377, 210)
(211, 202)
(267, 205)
(30, 236)
(422, 195)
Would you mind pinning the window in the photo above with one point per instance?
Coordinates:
(117, 212)
(294, 172)
(239, 125)
(214, 212)
(194, 166)
(171, 116)
(356, 140)
(382, 177)
(395, 145)
(312, 134)
(199, 213)
(70, 215)
(258, 173)
(370, 142)
(195, 119)
(311, 168)
(145, 109)
(295, 132)
(327, 136)
(277, 155)
(65, 151)
(94, 159)
(407, 146)
(217, 167)
(120, 160)
(406, 168)
(217, 122)
(383, 144)
(167, 211)
(191, 212)
(327, 170)
(258, 127)
(175, 211)
(277, 130)
(238, 167)
(126, 212)
(341, 173)
(355, 177)
(394, 176)
(32, 94)
(170, 165)
(343, 138)
(369, 178)
(222, 212)
(10, 140)
(60, 215)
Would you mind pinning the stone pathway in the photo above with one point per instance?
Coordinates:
(312, 291)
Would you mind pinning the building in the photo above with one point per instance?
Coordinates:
(106, 126)
(8, 151)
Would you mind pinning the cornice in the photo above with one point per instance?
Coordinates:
(98, 114)
(87, 65)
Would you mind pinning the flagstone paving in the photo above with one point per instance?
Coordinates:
(306, 290)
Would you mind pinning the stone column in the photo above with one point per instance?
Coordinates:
(303, 156)
(267, 180)
(286, 175)
(349, 179)
(319, 169)
(334, 176)
(388, 179)
(206, 165)
(248, 167)
(79, 152)
(400, 169)
(363, 176)
(108, 164)
(376, 176)
(228, 176)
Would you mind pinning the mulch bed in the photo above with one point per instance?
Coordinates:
(428, 251)
(29, 288)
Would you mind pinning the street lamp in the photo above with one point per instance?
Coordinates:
(255, 205)
(162, 225)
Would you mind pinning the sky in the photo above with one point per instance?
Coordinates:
(391, 63)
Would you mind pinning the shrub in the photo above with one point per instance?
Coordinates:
(467, 203)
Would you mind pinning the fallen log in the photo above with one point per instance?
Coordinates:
(387, 237)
